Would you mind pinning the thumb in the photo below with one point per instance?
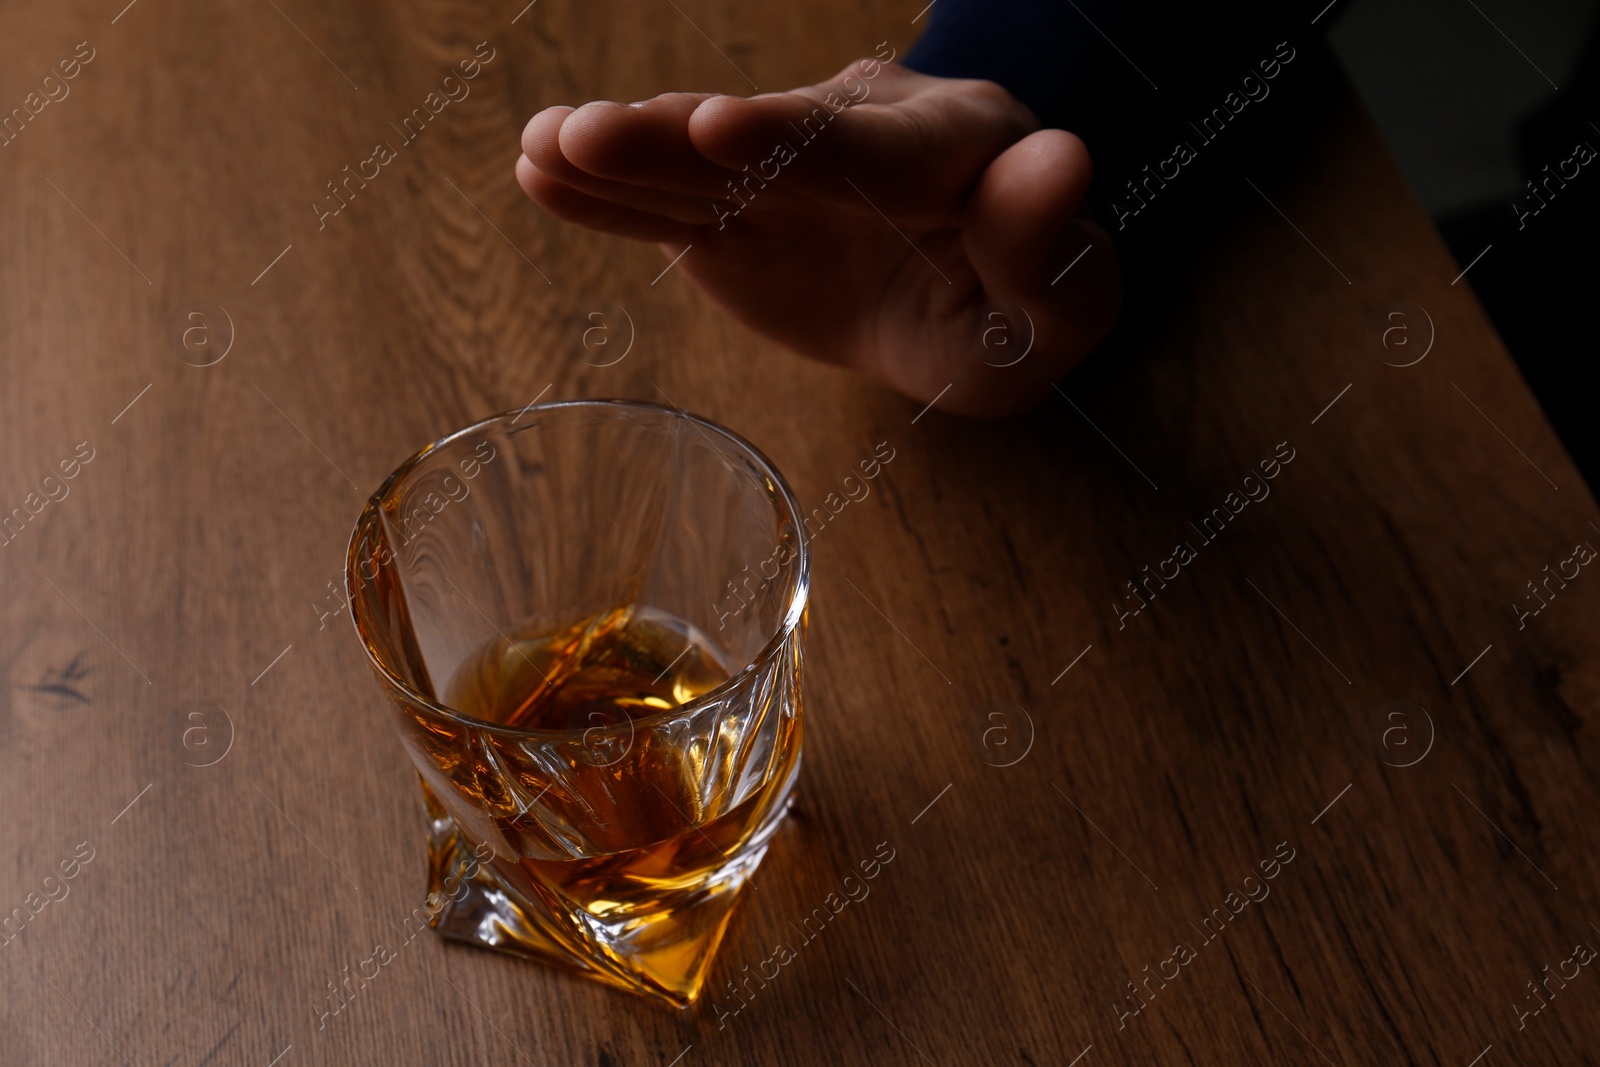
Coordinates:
(1029, 237)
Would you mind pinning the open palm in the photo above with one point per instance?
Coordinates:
(914, 228)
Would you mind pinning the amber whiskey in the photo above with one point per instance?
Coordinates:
(609, 805)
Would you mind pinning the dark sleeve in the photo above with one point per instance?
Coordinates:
(1150, 85)
(1045, 52)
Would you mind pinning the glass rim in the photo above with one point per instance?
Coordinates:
(794, 612)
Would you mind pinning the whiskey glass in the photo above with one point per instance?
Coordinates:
(587, 618)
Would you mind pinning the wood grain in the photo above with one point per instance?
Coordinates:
(187, 568)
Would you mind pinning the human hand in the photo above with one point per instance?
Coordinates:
(792, 202)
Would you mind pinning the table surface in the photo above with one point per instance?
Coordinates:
(1335, 690)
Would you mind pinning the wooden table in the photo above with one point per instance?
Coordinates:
(1338, 677)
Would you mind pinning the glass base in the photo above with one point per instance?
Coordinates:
(662, 953)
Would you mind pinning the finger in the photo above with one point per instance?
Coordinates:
(542, 133)
(645, 144)
(572, 205)
(917, 155)
(542, 144)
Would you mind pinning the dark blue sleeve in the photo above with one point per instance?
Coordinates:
(1148, 84)
(1047, 53)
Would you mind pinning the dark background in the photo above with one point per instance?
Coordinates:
(1462, 90)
